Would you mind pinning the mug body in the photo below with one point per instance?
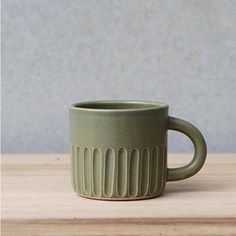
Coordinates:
(118, 149)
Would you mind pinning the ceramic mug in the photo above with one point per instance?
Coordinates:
(119, 149)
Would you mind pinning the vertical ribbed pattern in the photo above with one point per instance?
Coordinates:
(164, 153)
(72, 166)
(96, 172)
(87, 172)
(109, 172)
(122, 172)
(79, 168)
(118, 173)
(134, 173)
(75, 167)
(154, 170)
(145, 166)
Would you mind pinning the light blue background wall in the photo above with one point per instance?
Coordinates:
(57, 52)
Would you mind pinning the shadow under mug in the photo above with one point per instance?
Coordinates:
(119, 149)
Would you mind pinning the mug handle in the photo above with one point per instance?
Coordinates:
(200, 150)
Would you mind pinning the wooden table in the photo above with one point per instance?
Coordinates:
(37, 199)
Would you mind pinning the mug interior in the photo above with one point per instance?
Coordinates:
(118, 105)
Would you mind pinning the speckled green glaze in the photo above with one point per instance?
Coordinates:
(119, 149)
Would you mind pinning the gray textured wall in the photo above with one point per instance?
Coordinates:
(57, 52)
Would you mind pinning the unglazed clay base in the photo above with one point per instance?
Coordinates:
(118, 199)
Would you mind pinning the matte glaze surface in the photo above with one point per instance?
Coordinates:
(119, 172)
(119, 149)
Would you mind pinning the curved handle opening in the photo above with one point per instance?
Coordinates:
(200, 150)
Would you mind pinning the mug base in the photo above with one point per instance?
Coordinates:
(119, 198)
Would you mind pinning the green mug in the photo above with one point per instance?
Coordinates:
(119, 149)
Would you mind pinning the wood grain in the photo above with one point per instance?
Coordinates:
(37, 199)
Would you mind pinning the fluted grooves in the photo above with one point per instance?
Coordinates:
(118, 172)
(87, 172)
(72, 167)
(96, 166)
(109, 172)
(154, 170)
(133, 175)
(122, 172)
(145, 180)
(75, 166)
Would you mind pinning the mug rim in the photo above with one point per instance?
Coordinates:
(128, 106)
